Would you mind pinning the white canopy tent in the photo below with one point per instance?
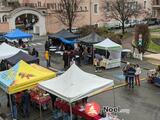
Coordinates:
(7, 51)
(114, 50)
(75, 84)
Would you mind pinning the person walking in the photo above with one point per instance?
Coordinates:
(47, 58)
(137, 74)
(47, 45)
(131, 75)
(125, 72)
(66, 59)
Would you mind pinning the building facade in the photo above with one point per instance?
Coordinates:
(156, 8)
(42, 13)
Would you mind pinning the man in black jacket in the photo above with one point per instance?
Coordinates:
(131, 74)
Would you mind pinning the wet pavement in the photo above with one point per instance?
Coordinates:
(143, 102)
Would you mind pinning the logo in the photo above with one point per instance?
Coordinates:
(25, 75)
(92, 109)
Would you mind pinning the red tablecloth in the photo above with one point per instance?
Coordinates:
(40, 100)
(75, 110)
(18, 97)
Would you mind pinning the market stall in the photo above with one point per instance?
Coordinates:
(91, 39)
(7, 51)
(62, 40)
(21, 56)
(74, 85)
(110, 53)
(63, 34)
(23, 76)
(88, 42)
(17, 34)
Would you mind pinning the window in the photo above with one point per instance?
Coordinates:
(145, 4)
(48, 6)
(96, 8)
(157, 2)
(39, 4)
(107, 7)
(52, 6)
(55, 6)
(4, 18)
(85, 8)
(81, 8)
(35, 4)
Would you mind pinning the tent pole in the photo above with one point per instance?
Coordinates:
(10, 102)
(70, 106)
(114, 97)
(40, 107)
(92, 55)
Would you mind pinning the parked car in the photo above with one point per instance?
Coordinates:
(151, 21)
(113, 25)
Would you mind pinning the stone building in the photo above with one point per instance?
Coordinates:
(90, 12)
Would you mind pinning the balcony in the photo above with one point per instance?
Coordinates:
(156, 6)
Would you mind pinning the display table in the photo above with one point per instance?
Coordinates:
(75, 110)
(59, 52)
(107, 63)
(113, 63)
(53, 50)
(40, 101)
(52, 47)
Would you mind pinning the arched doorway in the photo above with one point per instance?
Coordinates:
(26, 22)
(28, 19)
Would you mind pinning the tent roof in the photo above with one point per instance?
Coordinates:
(22, 76)
(92, 38)
(7, 51)
(108, 44)
(21, 56)
(65, 41)
(17, 34)
(75, 84)
(63, 34)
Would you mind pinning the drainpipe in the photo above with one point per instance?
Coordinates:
(90, 12)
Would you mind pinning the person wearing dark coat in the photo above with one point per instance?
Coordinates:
(131, 74)
(35, 52)
(107, 54)
(26, 103)
(47, 45)
(14, 107)
(66, 59)
(2, 65)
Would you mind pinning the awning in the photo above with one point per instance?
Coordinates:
(108, 44)
(17, 34)
(75, 84)
(7, 51)
(21, 56)
(92, 38)
(63, 34)
(22, 76)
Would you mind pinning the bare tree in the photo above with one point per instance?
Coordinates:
(122, 10)
(67, 12)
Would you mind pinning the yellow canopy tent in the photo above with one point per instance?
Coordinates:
(23, 76)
